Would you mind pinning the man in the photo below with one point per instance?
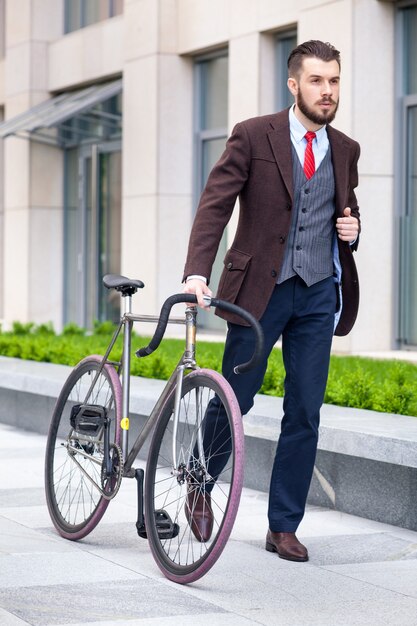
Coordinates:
(290, 265)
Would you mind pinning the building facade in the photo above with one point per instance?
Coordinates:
(112, 113)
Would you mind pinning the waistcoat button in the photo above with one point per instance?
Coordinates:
(273, 274)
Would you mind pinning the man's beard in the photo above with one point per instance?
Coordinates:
(317, 118)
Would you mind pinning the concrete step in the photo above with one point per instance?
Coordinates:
(366, 462)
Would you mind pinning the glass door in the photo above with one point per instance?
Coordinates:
(92, 232)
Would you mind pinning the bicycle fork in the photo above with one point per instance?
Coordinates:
(197, 438)
(188, 362)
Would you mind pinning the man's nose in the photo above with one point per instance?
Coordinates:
(327, 88)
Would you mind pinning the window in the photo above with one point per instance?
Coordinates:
(211, 114)
(211, 106)
(407, 175)
(81, 13)
(285, 42)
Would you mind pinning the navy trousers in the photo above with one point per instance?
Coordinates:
(304, 317)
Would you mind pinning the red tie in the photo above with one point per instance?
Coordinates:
(309, 165)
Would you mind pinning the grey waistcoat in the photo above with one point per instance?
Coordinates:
(309, 246)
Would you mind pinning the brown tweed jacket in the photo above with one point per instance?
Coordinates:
(256, 167)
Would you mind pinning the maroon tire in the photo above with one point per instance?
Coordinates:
(172, 484)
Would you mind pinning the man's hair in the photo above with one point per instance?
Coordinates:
(313, 48)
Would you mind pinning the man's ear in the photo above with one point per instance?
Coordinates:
(292, 86)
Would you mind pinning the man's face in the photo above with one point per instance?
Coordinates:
(316, 92)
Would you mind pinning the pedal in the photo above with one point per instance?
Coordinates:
(167, 529)
(88, 418)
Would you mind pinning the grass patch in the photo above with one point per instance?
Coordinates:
(363, 383)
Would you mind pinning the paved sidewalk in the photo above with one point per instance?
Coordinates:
(360, 572)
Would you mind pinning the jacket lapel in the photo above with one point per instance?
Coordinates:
(340, 150)
(280, 141)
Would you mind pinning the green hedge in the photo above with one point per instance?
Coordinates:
(380, 385)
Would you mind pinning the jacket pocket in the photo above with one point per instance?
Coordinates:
(236, 265)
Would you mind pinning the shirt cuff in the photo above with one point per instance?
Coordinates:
(197, 276)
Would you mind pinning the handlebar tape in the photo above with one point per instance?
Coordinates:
(221, 304)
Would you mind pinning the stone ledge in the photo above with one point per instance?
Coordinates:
(384, 437)
(366, 462)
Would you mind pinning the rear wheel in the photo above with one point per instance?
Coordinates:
(79, 482)
(185, 479)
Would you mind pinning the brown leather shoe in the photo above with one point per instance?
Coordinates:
(199, 513)
(286, 545)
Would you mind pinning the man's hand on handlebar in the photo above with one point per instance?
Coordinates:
(199, 288)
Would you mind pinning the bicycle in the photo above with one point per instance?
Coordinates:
(88, 454)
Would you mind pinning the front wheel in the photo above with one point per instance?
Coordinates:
(80, 479)
(195, 468)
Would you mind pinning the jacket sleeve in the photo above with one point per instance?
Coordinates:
(217, 202)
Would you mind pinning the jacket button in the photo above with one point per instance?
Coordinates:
(273, 274)
(229, 265)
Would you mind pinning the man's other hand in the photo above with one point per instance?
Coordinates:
(347, 227)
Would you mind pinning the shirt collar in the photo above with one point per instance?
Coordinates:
(298, 131)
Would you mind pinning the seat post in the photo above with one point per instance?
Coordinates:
(127, 335)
